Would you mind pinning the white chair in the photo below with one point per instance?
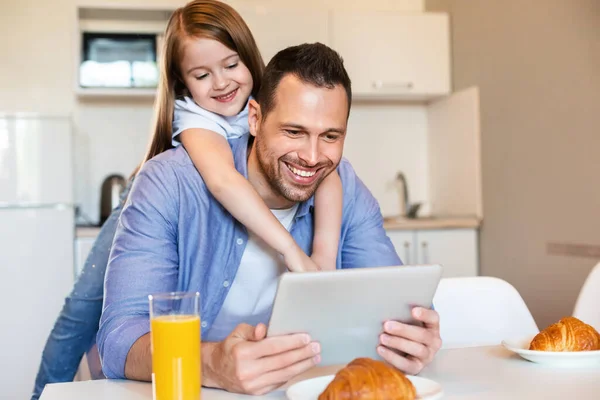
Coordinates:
(481, 311)
(587, 307)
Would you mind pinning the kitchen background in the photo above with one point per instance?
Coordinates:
(490, 109)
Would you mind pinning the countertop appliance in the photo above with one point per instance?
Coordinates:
(110, 194)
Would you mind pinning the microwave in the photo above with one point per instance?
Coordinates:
(118, 60)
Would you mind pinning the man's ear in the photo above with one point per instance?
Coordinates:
(254, 117)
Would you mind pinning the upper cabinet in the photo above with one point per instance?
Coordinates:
(394, 56)
(389, 55)
(117, 50)
(277, 28)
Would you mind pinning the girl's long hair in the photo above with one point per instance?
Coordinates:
(197, 19)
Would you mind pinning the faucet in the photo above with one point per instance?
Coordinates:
(407, 210)
(402, 187)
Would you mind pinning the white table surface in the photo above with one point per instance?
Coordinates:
(465, 374)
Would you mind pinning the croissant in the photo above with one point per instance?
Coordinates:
(568, 334)
(367, 379)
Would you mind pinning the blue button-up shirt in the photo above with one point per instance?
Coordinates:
(173, 235)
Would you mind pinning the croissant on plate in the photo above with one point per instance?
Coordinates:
(568, 334)
(368, 379)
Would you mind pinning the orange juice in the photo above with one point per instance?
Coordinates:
(176, 364)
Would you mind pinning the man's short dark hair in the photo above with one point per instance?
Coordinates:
(312, 63)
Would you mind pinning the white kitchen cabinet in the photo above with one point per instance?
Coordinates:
(389, 55)
(455, 249)
(404, 243)
(83, 245)
(277, 28)
(394, 55)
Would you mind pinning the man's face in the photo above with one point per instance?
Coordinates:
(300, 141)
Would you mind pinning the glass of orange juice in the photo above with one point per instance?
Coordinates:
(175, 337)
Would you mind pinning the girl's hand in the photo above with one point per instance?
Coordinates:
(325, 263)
(297, 261)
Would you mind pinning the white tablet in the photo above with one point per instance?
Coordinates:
(344, 310)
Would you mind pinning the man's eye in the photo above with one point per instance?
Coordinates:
(232, 66)
(292, 133)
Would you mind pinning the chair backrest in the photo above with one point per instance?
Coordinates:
(587, 307)
(481, 311)
(90, 367)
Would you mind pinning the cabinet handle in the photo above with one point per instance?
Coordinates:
(392, 85)
(425, 251)
(407, 253)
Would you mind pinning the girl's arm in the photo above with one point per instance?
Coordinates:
(328, 222)
(212, 157)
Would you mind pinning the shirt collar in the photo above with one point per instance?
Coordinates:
(239, 147)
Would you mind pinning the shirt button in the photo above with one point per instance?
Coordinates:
(204, 324)
(240, 241)
(226, 284)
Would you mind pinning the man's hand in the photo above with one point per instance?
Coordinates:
(247, 362)
(419, 344)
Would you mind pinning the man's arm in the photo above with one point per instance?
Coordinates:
(408, 348)
(245, 362)
(365, 243)
(143, 260)
(138, 365)
(249, 362)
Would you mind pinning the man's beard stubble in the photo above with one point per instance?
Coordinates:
(274, 177)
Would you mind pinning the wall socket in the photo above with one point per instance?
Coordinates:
(574, 250)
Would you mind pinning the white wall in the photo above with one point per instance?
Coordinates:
(384, 138)
(111, 137)
(537, 64)
(111, 134)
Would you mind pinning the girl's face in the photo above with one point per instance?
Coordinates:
(215, 76)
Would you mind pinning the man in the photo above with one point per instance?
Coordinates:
(174, 236)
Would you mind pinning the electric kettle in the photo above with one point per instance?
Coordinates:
(112, 187)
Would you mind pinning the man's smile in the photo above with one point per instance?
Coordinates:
(303, 175)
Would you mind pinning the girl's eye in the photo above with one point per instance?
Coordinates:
(232, 66)
(201, 77)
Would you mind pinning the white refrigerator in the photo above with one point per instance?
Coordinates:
(36, 240)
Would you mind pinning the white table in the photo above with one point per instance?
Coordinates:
(465, 374)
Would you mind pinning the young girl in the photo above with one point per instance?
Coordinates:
(210, 68)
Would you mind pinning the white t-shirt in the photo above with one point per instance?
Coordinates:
(250, 298)
(188, 115)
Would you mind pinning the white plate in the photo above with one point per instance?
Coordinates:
(553, 358)
(310, 389)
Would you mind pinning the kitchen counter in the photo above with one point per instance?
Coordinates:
(389, 223)
(86, 231)
(401, 223)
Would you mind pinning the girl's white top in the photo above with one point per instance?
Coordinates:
(188, 115)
